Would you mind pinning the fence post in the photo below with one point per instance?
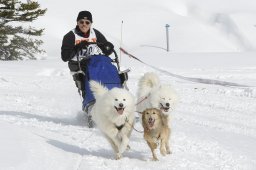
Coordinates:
(121, 42)
(167, 36)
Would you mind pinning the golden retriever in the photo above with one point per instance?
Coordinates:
(156, 130)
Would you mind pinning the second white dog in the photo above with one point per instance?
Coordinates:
(113, 114)
(152, 94)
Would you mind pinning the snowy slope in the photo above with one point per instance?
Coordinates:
(195, 25)
(214, 127)
(41, 122)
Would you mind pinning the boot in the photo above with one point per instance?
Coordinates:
(90, 122)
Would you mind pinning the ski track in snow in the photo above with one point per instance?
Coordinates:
(206, 120)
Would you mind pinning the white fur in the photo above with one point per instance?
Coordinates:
(107, 118)
(157, 94)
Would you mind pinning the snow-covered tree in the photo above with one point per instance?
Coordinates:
(18, 40)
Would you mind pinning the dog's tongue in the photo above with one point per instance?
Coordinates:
(151, 123)
(165, 109)
(120, 111)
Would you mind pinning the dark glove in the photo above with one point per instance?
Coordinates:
(107, 48)
(80, 46)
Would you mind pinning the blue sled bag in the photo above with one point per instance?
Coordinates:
(100, 69)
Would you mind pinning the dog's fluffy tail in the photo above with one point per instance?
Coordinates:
(97, 89)
(149, 80)
(147, 83)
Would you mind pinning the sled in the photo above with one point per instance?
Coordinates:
(100, 68)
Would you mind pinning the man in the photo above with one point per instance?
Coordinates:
(76, 39)
(81, 43)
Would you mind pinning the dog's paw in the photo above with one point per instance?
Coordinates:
(169, 152)
(128, 148)
(155, 159)
(118, 156)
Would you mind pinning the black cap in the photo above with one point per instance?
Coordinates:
(84, 15)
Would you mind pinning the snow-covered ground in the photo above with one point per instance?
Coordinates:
(42, 127)
(214, 127)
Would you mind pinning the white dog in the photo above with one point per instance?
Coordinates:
(152, 94)
(113, 114)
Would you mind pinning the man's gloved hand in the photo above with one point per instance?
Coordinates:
(107, 48)
(80, 46)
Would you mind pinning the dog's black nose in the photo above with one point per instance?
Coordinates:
(167, 104)
(121, 105)
(150, 119)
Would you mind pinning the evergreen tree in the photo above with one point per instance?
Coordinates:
(17, 39)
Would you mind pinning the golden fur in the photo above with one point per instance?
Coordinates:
(156, 130)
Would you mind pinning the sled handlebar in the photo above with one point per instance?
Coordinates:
(97, 43)
(100, 43)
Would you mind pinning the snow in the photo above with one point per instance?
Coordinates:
(213, 127)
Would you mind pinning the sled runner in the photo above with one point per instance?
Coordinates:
(100, 68)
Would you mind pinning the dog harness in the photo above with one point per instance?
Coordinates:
(120, 127)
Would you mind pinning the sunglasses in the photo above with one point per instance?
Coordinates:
(84, 22)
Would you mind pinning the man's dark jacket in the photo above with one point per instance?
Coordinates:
(68, 44)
